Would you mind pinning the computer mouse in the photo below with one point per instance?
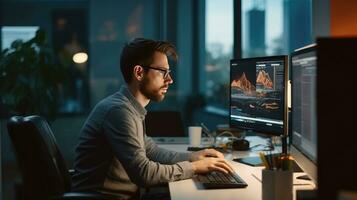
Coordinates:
(240, 145)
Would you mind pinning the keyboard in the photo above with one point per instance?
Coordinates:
(170, 140)
(220, 149)
(220, 180)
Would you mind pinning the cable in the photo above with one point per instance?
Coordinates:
(226, 132)
(227, 144)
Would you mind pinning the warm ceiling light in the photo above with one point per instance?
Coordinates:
(80, 57)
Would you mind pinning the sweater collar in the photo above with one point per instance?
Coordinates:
(138, 107)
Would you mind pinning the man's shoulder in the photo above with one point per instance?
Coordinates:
(110, 101)
(116, 101)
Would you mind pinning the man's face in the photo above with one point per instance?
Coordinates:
(154, 85)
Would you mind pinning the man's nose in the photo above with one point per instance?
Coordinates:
(169, 79)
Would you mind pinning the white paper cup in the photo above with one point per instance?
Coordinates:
(194, 133)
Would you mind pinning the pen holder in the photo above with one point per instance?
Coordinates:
(277, 184)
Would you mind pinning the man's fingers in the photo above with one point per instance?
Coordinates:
(224, 166)
(230, 166)
(219, 154)
(227, 163)
(217, 168)
(215, 153)
(212, 164)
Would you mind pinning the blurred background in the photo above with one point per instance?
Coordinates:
(80, 41)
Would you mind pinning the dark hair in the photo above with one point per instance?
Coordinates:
(140, 51)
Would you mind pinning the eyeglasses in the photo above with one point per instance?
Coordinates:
(165, 72)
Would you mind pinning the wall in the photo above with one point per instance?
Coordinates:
(320, 18)
(334, 18)
(111, 24)
(343, 18)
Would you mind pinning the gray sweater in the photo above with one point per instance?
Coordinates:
(115, 156)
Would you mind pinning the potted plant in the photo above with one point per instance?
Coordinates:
(30, 81)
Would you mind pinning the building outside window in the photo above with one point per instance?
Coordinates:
(219, 51)
(269, 27)
(274, 27)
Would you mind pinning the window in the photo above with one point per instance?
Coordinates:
(11, 33)
(65, 26)
(273, 27)
(219, 51)
(269, 27)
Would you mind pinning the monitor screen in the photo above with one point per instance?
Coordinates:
(304, 120)
(258, 94)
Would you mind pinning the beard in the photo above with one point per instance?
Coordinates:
(151, 93)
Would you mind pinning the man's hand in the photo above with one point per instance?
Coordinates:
(211, 164)
(199, 155)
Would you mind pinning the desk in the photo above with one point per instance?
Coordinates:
(188, 189)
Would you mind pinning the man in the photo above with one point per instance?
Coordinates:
(114, 155)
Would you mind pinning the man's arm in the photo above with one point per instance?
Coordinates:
(165, 156)
(122, 132)
(162, 155)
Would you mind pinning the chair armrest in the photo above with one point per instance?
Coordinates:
(159, 191)
(158, 187)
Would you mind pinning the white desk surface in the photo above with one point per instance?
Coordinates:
(188, 189)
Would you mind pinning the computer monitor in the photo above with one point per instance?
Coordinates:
(303, 105)
(258, 95)
(336, 122)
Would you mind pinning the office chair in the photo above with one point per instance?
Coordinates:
(164, 124)
(43, 169)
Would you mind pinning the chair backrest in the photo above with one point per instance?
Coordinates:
(164, 124)
(41, 164)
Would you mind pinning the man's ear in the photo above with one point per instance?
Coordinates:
(138, 72)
